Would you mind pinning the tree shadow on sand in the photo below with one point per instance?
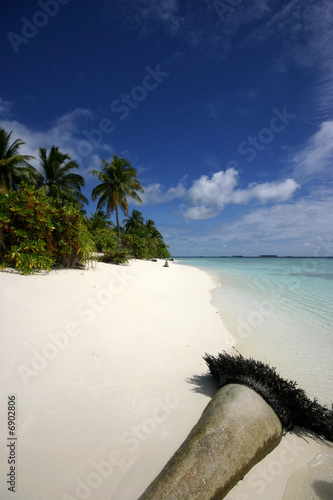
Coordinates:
(205, 384)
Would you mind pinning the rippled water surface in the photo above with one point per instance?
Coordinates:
(279, 311)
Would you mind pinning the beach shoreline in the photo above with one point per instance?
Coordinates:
(300, 467)
(106, 367)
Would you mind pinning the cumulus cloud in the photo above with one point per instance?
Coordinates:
(267, 192)
(215, 190)
(209, 195)
(200, 212)
(153, 193)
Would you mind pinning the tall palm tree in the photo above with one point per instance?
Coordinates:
(118, 182)
(14, 168)
(134, 223)
(58, 180)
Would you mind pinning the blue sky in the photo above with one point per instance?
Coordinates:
(225, 108)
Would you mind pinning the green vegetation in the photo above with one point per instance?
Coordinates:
(118, 183)
(38, 232)
(14, 168)
(42, 217)
(143, 240)
(57, 179)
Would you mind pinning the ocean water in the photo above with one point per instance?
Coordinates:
(279, 311)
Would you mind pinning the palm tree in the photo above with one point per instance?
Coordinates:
(14, 168)
(57, 179)
(118, 182)
(134, 223)
(99, 220)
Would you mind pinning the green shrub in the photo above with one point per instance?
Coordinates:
(142, 247)
(162, 251)
(116, 257)
(38, 232)
(106, 240)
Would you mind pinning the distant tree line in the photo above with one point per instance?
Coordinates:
(43, 222)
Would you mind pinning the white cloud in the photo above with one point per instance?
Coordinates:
(316, 157)
(304, 31)
(5, 107)
(267, 192)
(153, 193)
(200, 212)
(299, 228)
(215, 190)
(65, 132)
(302, 222)
(70, 122)
(166, 11)
(209, 195)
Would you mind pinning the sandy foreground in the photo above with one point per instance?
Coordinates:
(107, 372)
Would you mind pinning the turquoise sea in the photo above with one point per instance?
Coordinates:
(279, 311)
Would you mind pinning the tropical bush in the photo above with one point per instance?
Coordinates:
(143, 247)
(38, 232)
(106, 240)
(137, 239)
(115, 257)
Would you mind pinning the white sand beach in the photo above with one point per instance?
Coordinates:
(107, 372)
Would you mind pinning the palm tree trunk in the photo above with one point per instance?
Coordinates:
(118, 226)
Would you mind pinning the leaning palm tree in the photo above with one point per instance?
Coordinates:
(134, 223)
(118, 182)
(58, 180)
(14, 168)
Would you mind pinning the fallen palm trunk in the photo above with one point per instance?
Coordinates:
(237, 430)
(289, 402)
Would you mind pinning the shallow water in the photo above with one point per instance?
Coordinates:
(280, 312)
